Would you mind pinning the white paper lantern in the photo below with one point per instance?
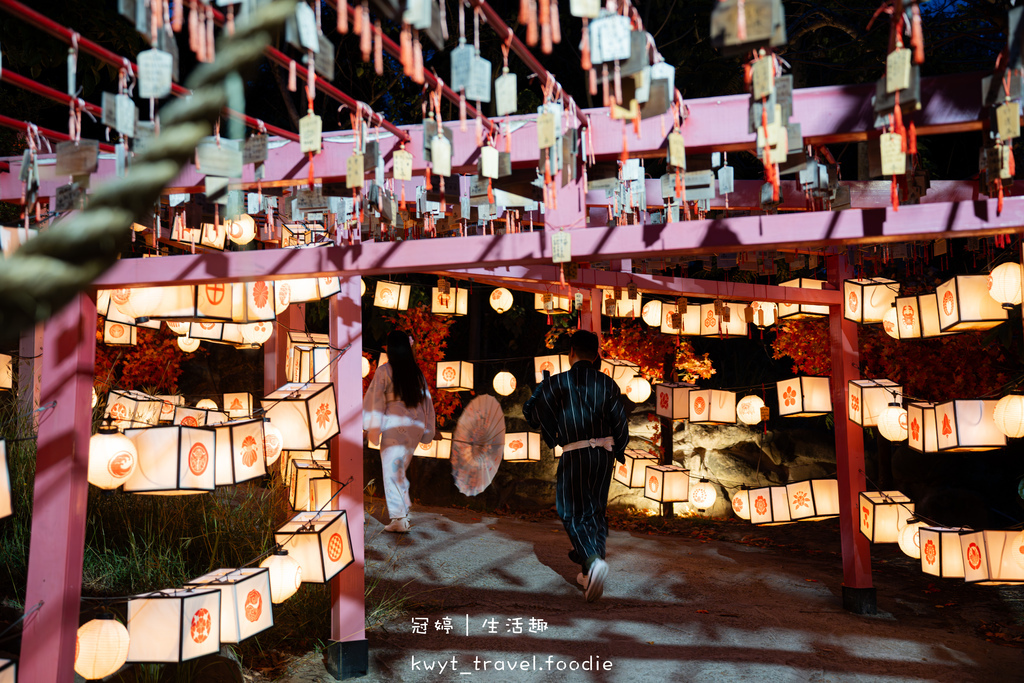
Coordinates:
(882, 515)
(991, 558)
(638, 390)
(703, 495)
(240, 452)
(173, 625)
(522, 447)
(893, 423)
(362, 287)
(101, 648)
(867, 300)
(120, 334)
(910, 541)
(804, 396)
(365, 366)
(285, 575)
(672, 399)
(207, 404)
(238, 405)
(272, 442)
(392, 295)
(112, 458)
(257, 333)
(174, 460)
(748, 409)
(168, 406)
(622, 371)
(1004, 284)
(687, 324)
(968, 426)
(800, 311)
(1009, 415)
(287, 457)
(455, 302)
(455, 375)
(890, 323)
(964, 304)
(763, 313)
(302, 472)
(667, 483)
(922, 434)
(651, 313)
(132, 408)
(867, 398)
(501, 300)
(8, 671)
(188, 344)
(617, 304)
(769, 506)
(245, 604)
(7, 372)
(306, 414)
(712, 406)
(242, 230)
(194, 416)
(813, 500)
(941, 554)
(741, 503)
(552, 364)
(438, 449)
(714, 325)
(137, 302)
(552, 304)
(632, 472)
(907, 316)
(319, 542)
(313, 288)
(309, 363)
(5, 483)
(283, 296)
(504, 383)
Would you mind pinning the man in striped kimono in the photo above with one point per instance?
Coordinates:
(582, 411)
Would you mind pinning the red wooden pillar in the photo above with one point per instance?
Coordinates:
(348, 652)
(858, 592)
(60, 495)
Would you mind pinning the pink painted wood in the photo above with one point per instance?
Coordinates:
(60, 495)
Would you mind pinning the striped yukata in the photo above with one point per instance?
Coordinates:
(579, 405)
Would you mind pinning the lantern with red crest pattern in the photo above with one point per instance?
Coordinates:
(245, 605)
(173, 625)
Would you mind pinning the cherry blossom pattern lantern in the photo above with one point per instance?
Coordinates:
(552, 304)
(922, 434)
(120, 334)
(769, 506)
(173, 625)
(909, 540)
(741, 503)
(5, 483)
(672, 399)
(392, 295)
(504, 383)
(763, 313)
(245, 604)
(992, 558)
(455, 375)
(453, 302)
(893, 423)
(868, 398)
(1009, 415)
(285, 575)
(941, 554)
(622, 371)
(173, 460)
(813, 500)
(632, 472)
(883, 514)
(551, 364)
(241, 452)
(638, 389)
(306, 414)
(801, 311)
(522, 447)
(964, 304)
(1004, 284)
(501, 300)
(238, 406)
(703, 495)
(112, 458)
(712, 406)
(242, 230)
(302, 472)
(867, 300)
(968, 426)
(748, 409)
(804, 396)
(650, 313)
(319, 542)
(6, 372)
(686, 322)
(101, 647)
(714, 324)
(666, 483)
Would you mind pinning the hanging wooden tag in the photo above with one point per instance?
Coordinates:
(676, 151)
(443, 286)
(401, 164)
(784, 95)
(1008, 120)
(418, 14)
(578, 300)
(125, 116)
(610, 38)
(109, 115)
(255, 150)
(725, 180)
(479, 87)
(762, 82)
(441, 155)
(488, 162)
(765, 413)
(462, 66)
(506, 91)
(638, 59)
(681, 304)
(545, 130)
(675, 320)
(609, 306)
(561, 251)
(310, 134)
(897, 70)
(68, 197)
(305, 25)
(894, 159)
(548, 303)
(223, 159)
(77, 158)
(323, 59)
(354, 170)
(585, 8)
(631, 291)
(154, 74)
(504, 164)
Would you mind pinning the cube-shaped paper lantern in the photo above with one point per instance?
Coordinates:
(238, 406)
(319, 542)
(762, 313)
(245, 607)
(633, 472)
(553, 364)
(813, 500)
(621, 305)
(174, 625)
(6, 371)
(392, 295)
(241, 452)
(455, 375)
(552, 304)
(672, 399)
(320, 455)
(799, 311)
(622, 371)
(714, 325)
(769, 506)
(173, 460)
(867, 300)
(168, 403)
(132, 408)
(8, 671)
(992, 558)
(309, 364)
(300, 474)
(910, 316)
(964, 304)
(454, 302)
(5, 483)
(321, 493)
(295, 235)
(252, 301)
(712, 406)
(311, 288)
(306, 414)
(882, 514)
(867, 398)
(120, 334)
(804, 396)
(941, 552)
(922, 434)
(967, 426)
(687, 324)
(439, 449)
(522, 447)
(190, 416)
(667, 483)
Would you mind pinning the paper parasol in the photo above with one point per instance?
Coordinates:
(478, 444)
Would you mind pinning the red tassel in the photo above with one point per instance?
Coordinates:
(911, 137)
(401, 204)
(357, 20)
(524, 11)
(405, 42)
(679, 184)
(895, 192)
(1011, 162)
(490, 192)
(311, 170)
(378, 51)
(999, 201)
(625, 147)
(426, 180)
(292, 79)
(366, 39)
(556, 26)
(917, 34)
(342, 16)
(585, 62)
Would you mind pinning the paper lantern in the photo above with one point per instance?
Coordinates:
(5, 483)
(741, 503)
(309, 363)
(167, 406)
(804, 396)
(120, 334)
(192, 417)
(703, 495)
(455, 375)
(1004, 284)
(214, 236)
(188, 344)
(908, 318)
(101, 648)
(8, 671)
(173, 460)
(374, 445)
(112, 458)
(240, 452)
(238, 405)
(257, 333)
(748, 409)
(439, 449)
(666, 483)
(910, 541)
(638, 390)
(313, 288)
(137, 302)
(893, 423)
(321, 493)
(283, 296)
(769, 506)
(621, 305)
(501, 300)
(272, 442)
(320, 455)
(964, 304)
(991, 558)
(712, 406)
(207, 404)
(253, 302)
(6, 371)
(622, 371)
(813, 500)
(867, 398)
(968, 426)
(552, 304)
(672, 399)
(551, 364)
(651, 313)
(941, 554)
(867, 300)
(245, 605)
(1009, 415)
(713, 325)
(365, 366)
(302, 471)
(392, 295)
(504, 383)
(319, 542)
(242, 230)
(455, 302)
(382, 359)
(883, 514)
(173, 625)
(632, 472)
(132, 408)
(890, 323)
(800, 311)
(689, 322)
(306, 414)
(522, 447)
(922, 434)
(285, 575)
(763, 313)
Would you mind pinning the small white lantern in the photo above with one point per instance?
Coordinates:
(214, 236)
(101, 648)
(638, 390)
(137, 302)
(769, 506)
(192, 417)
(667, 483)
(968, 426)
(748, 409)
(272, 442)
(238, 406)
(455, 375)
(621, 305)
(168, 405)
(804, 396)
(5, 483)
(242, 230)
(188, 344)
(1004, 284)
(651, 312)
(552, 304)
(173, 460)
(890, 323)
(800, 311)
(703, 495)
(257, 333)
(910, 540)
(712, 406)
(867, 398)
(552, 364)
(941, 554)
(301, 473)
(287, 457)
(813, 500)
(714, 325)
(309, 363)
(6, 371)
(893, 424)
(365, 366)
(622, 371)
(455, 302)
(867, 300)
(319, 542)
(392, 295)
(253, 302)
(132, 408)
(741, 503)
(905, 317)
(245, 605)
(922, 434)
(285, 575)
(439, 449)
(1009, 415)
(501, 300)
(313, 288)
(633, 472)
(173, 625)
(688, 322)
(283, 296)
(306, 414)
(672, 399)
(883, 514)
(763, 313)
(120, 334)
(428, 451)
(207, 404)
(112, 458)
(964, 304)
(240, 452)
(991, 558)
(504, 383)
(522, 447)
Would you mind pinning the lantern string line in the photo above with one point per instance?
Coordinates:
(35, 608)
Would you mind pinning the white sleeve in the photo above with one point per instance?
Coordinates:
(429, 419)
(375, 402)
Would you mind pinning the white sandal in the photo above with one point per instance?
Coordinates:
(399, 525)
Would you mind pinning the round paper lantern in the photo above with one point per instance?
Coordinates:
(703, 495)
(362, 287)
(890, 322)
(651, 313)
(741, 504)
(504, 383)
(764, 313)
(102, 647)
(242, 230)
(188, 344)
(501, 300)
(1018, 549)
(366, 366)
(282, 296)
(273, 442)
(285, 576)
(95, 397)
(748, 410)
(256, 333)
(1004, 284)
(910, 541)
(112, 458)
(638, 389)
(892, 424)
(1009, 415)
(176, 327)
(137, 302)
(207, 404)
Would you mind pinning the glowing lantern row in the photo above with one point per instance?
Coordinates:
(522, 447)
(455, 375)
(800, 311)
(245, 604)
(112, 458)
(100, 649)
(167, 407)
(638, 390)
(964, 304)
(439, 449)
(392, 295)
(967, 426)
(883, 514)
(769, 506)
(941, 554)
(762, 313)
(6, 371)
(5, 483)
(893, 424)
(306, 414)
(240, 451)
(867, 300)
(1009, 415)
(916, 317)
(501, 300)
(319, 542)
(552, 304)
(174, 625)
(672, 399)
(132, 408)
(633, 472)
(285, 575)
(667, 483)
(550, 364)
(197, 417)
(622, 371)
(993, 558)
(713, 324)
(504, 383)
(216, 302)
(813, 500)
(909, 540)
(867, 398)
(712, 406)
(686, 322)
(748, 409)
(1004, 284)
(242, 336)
(173, 460)
(804, 396)
(454, 302)
(703, 495)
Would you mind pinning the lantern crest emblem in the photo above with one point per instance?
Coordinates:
(448, 374)
(652, 484)
(323, 415)
(335, 547)
(801, 500)
(761, 505)
(249, 451)
(947, 302)
(853, 302)
(120, 466)
(789, 396)
(515, 445)
(930, 553)
(947, 428)
(198, 458)
(737, 504)
(663, 399)
(866, 511)
(974, 556)
(201, 623)
(710, 320)
(698, 405)
(908, 315)
(253, 605)
(854, 403)
(260, 294)
(915, 430)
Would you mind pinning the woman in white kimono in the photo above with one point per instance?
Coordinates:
(398, 410)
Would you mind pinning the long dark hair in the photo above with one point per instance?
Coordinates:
(408, 380)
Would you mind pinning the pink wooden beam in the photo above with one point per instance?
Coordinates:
(61, 492)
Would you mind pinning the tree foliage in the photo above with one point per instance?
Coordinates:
(153, 365)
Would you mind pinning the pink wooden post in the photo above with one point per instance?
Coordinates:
(858, 592)
(57, 545)
(348, 652)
